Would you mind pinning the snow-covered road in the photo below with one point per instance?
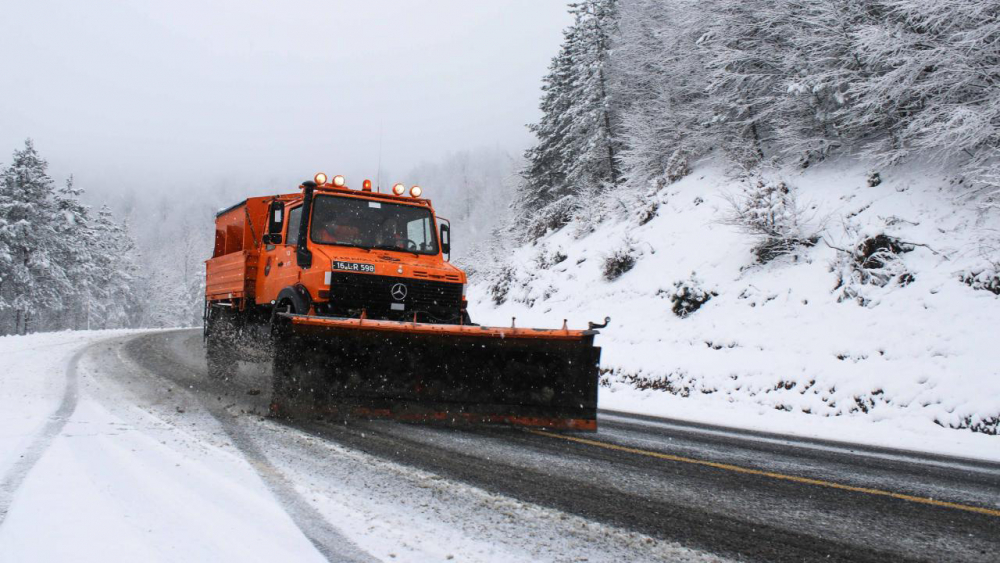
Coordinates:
(116, 447)
(122, 465)
(94, 473)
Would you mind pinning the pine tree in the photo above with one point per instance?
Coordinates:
(36, 282)
(577, 137)
(60, 267)
(75, 237)
(114, 303)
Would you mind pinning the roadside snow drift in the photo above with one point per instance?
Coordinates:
(879, 321)
(106, 480)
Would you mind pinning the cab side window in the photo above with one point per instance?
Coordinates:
(294, 218)
(419, 232)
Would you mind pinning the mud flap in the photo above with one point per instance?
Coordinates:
(437, 372)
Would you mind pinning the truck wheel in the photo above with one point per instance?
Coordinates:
(299, 388)
(220, 349)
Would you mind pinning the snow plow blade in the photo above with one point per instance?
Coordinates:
(432, 372)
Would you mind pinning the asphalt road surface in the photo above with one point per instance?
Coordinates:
(735, 494)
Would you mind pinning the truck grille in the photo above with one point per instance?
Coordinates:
(375, 293)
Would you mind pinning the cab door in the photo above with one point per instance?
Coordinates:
(280, 268)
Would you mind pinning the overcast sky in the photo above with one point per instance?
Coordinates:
(184, 94)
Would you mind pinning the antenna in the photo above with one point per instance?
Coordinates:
(378, 177)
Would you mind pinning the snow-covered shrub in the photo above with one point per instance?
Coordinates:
(987, 276)
(618, 262)
(648, 212)
(590, 211)
(770, 213)
(984, 424)
(545, 259)
(878, 258)
(874, 260)
(676, 382)
(552, 217)
(511, 284)
(499, 287)
(987, 279)
(677, 166)
(689, 295)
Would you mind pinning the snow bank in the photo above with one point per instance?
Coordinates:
(117, 482)
(32, 384)
(798, 344)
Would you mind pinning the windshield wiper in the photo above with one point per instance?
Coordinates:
(395, 248)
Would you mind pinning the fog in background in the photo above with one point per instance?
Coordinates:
(236, 96)
(168, 111)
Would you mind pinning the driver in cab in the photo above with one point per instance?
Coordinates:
(334, 232)
(389, 234)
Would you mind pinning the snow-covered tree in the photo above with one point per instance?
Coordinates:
(73, 231)
(37, 280)
(659, 62)
(770, 213)
(577, 137)
(60, 267)
(115, 300)
(938, 82)
(747, 71)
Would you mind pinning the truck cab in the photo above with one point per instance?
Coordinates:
(360, 253)
(334, 251)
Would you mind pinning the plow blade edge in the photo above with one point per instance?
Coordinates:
(418, 371)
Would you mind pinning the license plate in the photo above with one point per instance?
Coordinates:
(354, 267)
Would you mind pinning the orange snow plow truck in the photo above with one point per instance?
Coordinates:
(350, 295)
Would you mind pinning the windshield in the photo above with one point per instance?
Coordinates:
(359, 222)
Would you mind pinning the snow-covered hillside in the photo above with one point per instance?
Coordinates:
(807, 342)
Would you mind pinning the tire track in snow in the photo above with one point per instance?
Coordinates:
(16, 475)
(327, 539)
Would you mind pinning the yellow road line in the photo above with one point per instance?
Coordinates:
(772, 475)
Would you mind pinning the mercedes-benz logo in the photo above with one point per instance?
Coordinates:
(398, 292)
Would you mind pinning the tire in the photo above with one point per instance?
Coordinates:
(220, 348)
(299, 384)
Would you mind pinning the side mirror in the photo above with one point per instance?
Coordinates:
(446, 240)
(275, 221)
